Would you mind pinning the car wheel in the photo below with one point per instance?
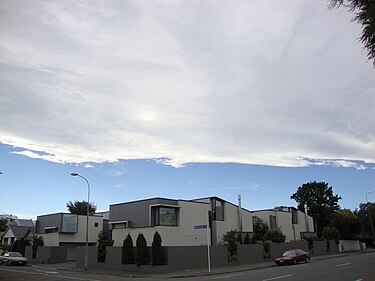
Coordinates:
(307, 259)
(9, 263)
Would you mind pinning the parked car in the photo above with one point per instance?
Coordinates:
(13, 258)
(1, 256)
(293, 256)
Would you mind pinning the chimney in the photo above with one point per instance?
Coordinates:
(239, 213)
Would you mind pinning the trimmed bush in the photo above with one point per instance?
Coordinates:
(128, 254)
(141, 253)
(158, 255)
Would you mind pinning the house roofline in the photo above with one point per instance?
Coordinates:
(156, 198)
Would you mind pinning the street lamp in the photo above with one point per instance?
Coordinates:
(369, 214)
(87, 218)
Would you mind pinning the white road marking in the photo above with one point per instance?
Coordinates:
(228, 276)
(45, 273)
(343, 264)
(278, 277)
(358, 280)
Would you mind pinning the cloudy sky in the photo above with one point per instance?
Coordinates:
(260, 83)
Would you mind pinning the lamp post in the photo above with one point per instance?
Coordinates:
(87, 218)
(369, 214)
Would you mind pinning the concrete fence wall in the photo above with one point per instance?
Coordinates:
(178, 257)
(47, 254)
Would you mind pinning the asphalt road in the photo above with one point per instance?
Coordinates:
(354, 267)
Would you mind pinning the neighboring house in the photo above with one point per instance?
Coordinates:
(13, 220)
(179, 222)
(293, 223)
(69, 230)
(15, 232)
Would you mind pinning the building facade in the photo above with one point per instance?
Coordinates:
(179, 222)
(69, 230)
(293, 223)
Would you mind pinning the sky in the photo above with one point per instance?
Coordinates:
(182, 99)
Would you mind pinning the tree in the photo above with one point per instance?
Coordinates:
(364, 11)
(3, 224)
(246, 240)
(259, 228)
(330, 233)
(80, 207)
(363, 214)
(128, 254)
(231, 239)
(274, 235)
(141, 253)
(38, 241)
(347, 223)
(320, 201)
(158, 255)
(20, 244)
(104, 240)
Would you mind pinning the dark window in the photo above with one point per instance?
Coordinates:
(164, 216)
(217, 210)
(273, 224)
(118, 225)
(50, 229)
(294, 216)
(96, 224)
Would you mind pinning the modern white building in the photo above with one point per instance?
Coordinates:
(69, 230)
(293, 223)
(179, 222)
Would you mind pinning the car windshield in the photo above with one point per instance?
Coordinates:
(15, 254)
(288, 253)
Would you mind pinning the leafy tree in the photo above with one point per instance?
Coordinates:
(231, 240)
(3, 224)
(141, 253)
(246, 239)
(104, 240)
(20, 244)
(320, 201)
(274, 235)
(128, 253)
(239, 238)
(80, 207)
(347, 223)
(259, 228)
(330, 233)
(158, 255)
(363, 214)
(364, 11)
(38, 241)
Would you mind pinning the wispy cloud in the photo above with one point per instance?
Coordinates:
(185, 81)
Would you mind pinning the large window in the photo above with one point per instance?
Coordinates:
(164, 216)
(217, 210)
(69, 223)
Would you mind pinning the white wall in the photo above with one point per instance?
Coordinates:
(284, 221)
(190, 215)
(53, 239)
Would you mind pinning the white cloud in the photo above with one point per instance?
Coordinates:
(261, 82)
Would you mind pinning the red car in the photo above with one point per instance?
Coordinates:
(293, 256)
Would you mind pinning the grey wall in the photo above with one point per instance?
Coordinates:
(47, 255)
(137, 212)
(48, 221)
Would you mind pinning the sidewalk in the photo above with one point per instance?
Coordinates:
(71, 266)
